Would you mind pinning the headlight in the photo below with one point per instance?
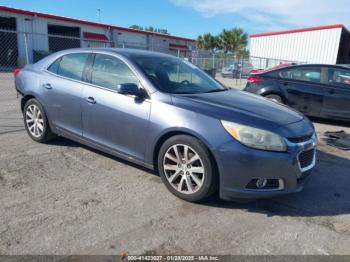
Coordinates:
(254, 137)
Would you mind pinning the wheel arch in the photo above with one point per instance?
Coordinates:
(164, 137)
(25, 99)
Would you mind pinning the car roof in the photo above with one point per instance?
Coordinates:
(316, 65)
(126, 52)
(121, 51)
(289, 66)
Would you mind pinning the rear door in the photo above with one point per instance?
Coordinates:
(337, 96)
(63, 91)
(304, 88)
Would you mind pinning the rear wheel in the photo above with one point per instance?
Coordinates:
(36, 123)
(187, 169)
(275, 98)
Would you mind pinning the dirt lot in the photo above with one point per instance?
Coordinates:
(64, 198)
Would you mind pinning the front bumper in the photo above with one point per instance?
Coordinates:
(239, 166)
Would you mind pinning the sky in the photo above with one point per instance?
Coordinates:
(190, 18)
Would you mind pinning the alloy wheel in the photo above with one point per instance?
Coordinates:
(183, 169)
(34, 121)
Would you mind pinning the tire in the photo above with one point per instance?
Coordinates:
(275, 98)
(189, 179)
(36, 123)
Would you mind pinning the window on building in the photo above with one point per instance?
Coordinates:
(72, 66)
(302, 74)
(339, 77)
(109, 72)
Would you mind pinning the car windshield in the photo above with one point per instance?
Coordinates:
(176, 76)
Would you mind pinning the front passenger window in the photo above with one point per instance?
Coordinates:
(109, 72)
(339, 77)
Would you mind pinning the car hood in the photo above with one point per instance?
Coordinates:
(241, 107)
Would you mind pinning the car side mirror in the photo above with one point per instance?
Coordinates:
(131, 89)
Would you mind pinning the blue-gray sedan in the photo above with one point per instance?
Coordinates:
(164, 113)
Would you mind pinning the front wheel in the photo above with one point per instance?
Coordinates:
(36, 123)
(187, 168)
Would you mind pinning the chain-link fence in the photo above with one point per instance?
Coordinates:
(233, 71)
(10, 119)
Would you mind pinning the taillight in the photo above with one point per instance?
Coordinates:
(16, 72)
(255, 79)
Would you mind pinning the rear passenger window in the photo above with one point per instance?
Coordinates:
(339, 77)
(72, 66)
(109, 72)
(302, 74)
(53, 68)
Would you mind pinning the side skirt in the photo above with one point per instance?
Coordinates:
(102, 148)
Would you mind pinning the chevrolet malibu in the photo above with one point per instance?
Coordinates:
(166, 114)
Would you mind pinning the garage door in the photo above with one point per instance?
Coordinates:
(63, 37)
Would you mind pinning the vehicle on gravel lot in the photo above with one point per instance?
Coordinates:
(237, 70)
(230, 71)
(315, 90)
(164, 113)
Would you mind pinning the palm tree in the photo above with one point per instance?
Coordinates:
(233, 40)
(199, 42)
(207, 42)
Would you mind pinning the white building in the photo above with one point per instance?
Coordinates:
(23, 32)
(323, 44)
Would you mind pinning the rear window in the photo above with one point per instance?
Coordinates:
(302, 74)
(53, 68)
(72, 66)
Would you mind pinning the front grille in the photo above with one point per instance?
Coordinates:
(306, 158)
(300, 139)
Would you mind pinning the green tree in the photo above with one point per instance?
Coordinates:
(243, 53)
(207, 42)
(199, 42)
(233, 40)
(151, 29)
(137, 27)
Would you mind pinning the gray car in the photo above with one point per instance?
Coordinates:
(166, 114)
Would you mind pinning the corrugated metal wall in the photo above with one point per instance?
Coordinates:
(319, 46)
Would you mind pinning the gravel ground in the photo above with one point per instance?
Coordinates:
(64, 198)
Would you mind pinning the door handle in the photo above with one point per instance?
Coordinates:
(331, 91)
(47, 86)
(91, 100)
(285, 83)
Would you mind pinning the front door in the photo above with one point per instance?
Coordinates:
(118, 122)
(337, 97)
(303, 88)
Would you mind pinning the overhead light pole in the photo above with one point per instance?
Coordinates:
(99, 14)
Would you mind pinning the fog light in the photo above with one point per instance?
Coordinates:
(261, 182)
